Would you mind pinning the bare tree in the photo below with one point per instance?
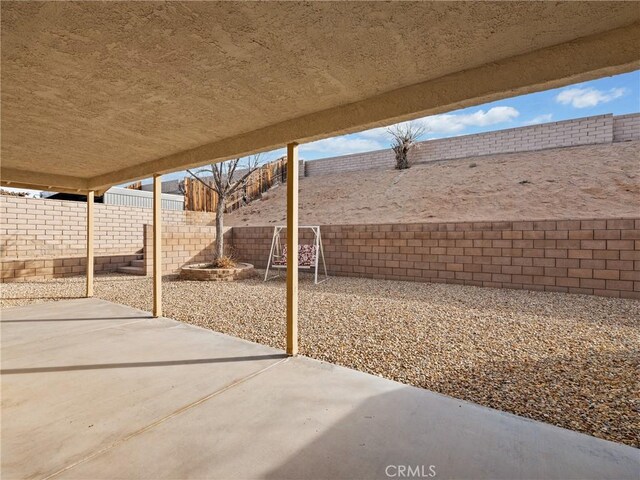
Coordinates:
(223, 182)
(404, 137)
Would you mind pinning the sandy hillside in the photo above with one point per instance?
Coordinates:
(577, 182)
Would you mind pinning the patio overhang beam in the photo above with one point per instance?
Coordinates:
(10, 177)
(587, 58)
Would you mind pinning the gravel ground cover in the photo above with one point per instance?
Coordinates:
(568, 360)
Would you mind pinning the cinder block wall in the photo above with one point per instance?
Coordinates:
(42, 238)
(183, 244)
(36, 269)
(582, 131)
(569, 133)
(599, 256)
(626, 127)
(378, 159)
(35, 227)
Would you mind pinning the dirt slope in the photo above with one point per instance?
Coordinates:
(576, 182)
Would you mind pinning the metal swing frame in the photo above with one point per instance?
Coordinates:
(276, 249)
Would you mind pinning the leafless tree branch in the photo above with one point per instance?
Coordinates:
(224, 185)
(404, 136)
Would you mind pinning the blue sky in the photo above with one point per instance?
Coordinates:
(619, 94)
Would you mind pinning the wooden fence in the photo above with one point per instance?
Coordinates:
(199, 198)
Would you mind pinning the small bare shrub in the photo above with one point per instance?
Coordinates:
(224, 262)
(404, 136)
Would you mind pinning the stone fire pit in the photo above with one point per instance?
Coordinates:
(204, 271)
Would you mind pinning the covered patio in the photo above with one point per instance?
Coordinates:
(99, 94)
(226, 80)
(94, 389)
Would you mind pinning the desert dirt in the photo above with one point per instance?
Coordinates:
(576, 182)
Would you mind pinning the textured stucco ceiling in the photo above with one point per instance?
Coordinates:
(93, 90)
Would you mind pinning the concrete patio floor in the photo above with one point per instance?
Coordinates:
(92, 389)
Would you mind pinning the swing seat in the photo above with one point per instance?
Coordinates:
(306, 257)
(309, 255)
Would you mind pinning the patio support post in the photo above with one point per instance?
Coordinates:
(90, 198)
(292, 249)
(157, 245)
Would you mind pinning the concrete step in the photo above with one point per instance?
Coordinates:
(132, 270)
(137, 263)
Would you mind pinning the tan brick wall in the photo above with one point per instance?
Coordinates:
(34, 230)
(37, 269)
(348, 163)
(599, 257)
(626, 127)
(181, 245)
(568, 133)
(34, 227)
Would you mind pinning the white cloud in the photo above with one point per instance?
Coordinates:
(544, 118)
(450, 123)
(378, 134)
(435, 126)
(588, 97)
(343, 145)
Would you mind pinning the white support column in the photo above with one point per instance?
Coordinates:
(292, 249)
(90, 198)
(157, 246)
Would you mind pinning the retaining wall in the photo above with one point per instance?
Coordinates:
(37, 268)
(183, 244)
(47, 238)
(581, 131)
(41, 238)
(379, 159)
(599, 256)
(626, 127)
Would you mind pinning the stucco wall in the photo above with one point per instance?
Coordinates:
(599, 256)
(581, 131)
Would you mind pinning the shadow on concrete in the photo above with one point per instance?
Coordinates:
(165, 363)
(384, 429)
(410, 434)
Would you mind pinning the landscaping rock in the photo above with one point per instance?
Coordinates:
(568, 360)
